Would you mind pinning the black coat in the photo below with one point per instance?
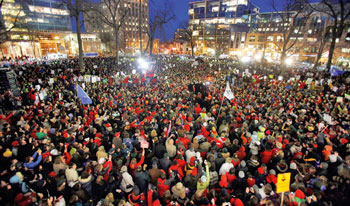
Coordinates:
(141, 180)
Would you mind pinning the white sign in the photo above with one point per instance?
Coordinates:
(308, 81)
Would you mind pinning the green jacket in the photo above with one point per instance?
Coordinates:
(201, 186)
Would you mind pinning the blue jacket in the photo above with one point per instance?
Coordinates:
(33, 164)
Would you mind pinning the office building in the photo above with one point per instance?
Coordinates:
(42, 27)
(218, 25)
(267, 31)
(129, 33)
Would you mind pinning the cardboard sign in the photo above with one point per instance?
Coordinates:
(144, 144)
(347, 96)
(308, 81)
(327, 118)
(283, 182)
(340, 99)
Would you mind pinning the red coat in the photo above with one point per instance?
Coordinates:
(162, 187)
(266, 157)
(134, 167)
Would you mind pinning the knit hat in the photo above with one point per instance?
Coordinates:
(299, 196)
(250, 182)
(261, 170)
(7, 153)
(293, 166)
(136, 190)
(241, 174)
(179, 189)
(15, 143)
(243, 164)
(123, 169)
(193, 158)
(332, 158)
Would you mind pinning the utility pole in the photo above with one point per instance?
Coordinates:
(140, 26)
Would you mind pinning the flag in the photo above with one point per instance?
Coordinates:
(347, 96)
(336, 72)
(228, 93)
(85, 99)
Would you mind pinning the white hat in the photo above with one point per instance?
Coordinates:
(101, 161)
(293, 166)
(241, 174)
(54, 152)
(332, 158)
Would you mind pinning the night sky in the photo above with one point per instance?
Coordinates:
(180, 8)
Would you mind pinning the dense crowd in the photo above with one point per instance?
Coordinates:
(168, 136)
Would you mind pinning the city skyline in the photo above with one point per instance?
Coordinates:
(181, 11)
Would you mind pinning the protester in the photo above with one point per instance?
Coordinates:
(114, 134)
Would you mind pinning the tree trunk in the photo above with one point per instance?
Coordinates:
(263, 54)
(192, 49)
(331, 48)
(151, 47)
(80, 44)
(319, 54)
(116, 44)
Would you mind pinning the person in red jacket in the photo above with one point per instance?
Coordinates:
(135, 198)
(152, 198)
(134, 164)
(266, 156)
(163, 184)
(176, 169)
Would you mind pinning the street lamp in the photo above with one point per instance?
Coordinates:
(288, 61)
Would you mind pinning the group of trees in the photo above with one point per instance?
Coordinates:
(297, 13)
(294, 13)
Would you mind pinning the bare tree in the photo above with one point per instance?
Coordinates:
(76, 8)
(322, 38)
(161, 17)
(188, 35)
(293, 20)
(4, 31)
(113, 16)
(339, 11)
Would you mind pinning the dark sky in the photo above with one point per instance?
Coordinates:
(180, 8)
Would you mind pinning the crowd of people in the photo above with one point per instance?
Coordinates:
(168, 136)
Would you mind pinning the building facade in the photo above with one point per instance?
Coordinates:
(129, 33)
(218, 25)
(267, 32)
(42, 27)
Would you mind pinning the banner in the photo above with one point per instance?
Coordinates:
(228, 93)
(85, 99)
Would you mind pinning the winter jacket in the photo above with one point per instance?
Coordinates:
(86, 184)
(201, 186)
(71, 175)
(127, 183)
(170, 147)
(32, 165)
(154, 174)
(141, 180)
